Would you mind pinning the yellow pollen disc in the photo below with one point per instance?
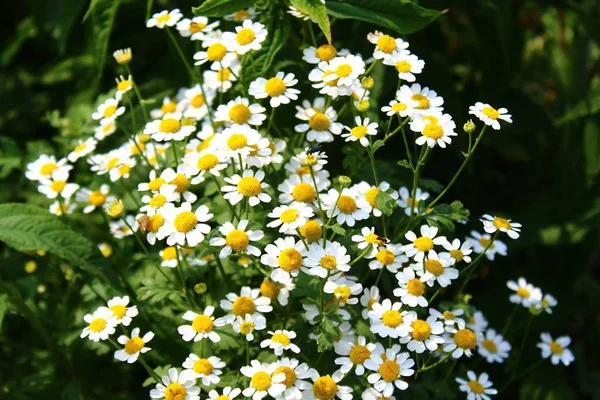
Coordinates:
(385, 257)
(391, 318)
(175, 391)
(289, 215)
(196, 27)
(124, 85)
(434, 266)
(403, 67)
(181, 182)
(433, 131)
(169, 125)
(325, 52)
(457, 255)
(319, 122)
(523, 293)
(373, 239)
(328, 262)
(207, 162)
(157, 201)
(112, 163)
(290, 260)
(281, 338)
(556, 348)
(501, 223)
(261, 381)
(119, 311)
(343, 70)
(342, 293)
(304, 193)
(246, 327)
(202, 323)
(386, 43)
(98, 325)
(359, 354)
(489, 345)
(370, 195)
(168, 107)
(311, 231)
(465, 339)
(448, 315)
(185, 221)
(203, 366)
(421, 330)
(423, 244)
(476, 387)
(97, 198)
(223, 75)
(124, 169)
(58, 186)
(324, 388)
(399, 107)
(346, 204)
(48, 168)
(237, 141)
(370, 303)
(79, 148)
(290, 375)
(415, 287)
(269, 289)
(237, 239)
(109, 111)
(423, 101)
(134, 345)
(216, 52)
(245, 36)
(249, 186)
(490, 112)
(197, 101)
(240, 113)
(223, 397)
(155, 222)
(359, 131)
(389, 370)
(275, 87)
(163, 18)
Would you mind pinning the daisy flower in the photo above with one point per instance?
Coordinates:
(298, 188)
(250, 185)
(477, 322)
(105, 129)
(184, 226)
(389, 371)
(434, 132)
(489, 115)
(238, 140)
(164, 18)
(59, 209)
(202, 326)
(386, 319)
(436, 268)
(344, 70)
(94, 198)
(237, 239)
(249, 323)
(407, 202)
(327, 387)
(57, 185)
(280, 340)
(176, 386)
(195, 27)
(278, 89)
(406, 64)
(325, 52)
(319, 122)
(263, 381)
(83, 148)
(168, 106)
(101, 324)
(546, 304)
(360, 131)
(493, 224)
(412, 288)
(122, 56)
(197, 164)
(476, 388)
(227, 394)
(386, 46)
(370, 296)
(481, 241)
(450, 318)
(207, 369)
(124, 85)
(178, 178)
(295, 375)
(347, 206)
(370, 193)
(525, 293)
(218, 52)
(462, 342)
(169, 257)
(108, 111)
(134, 346)
(248, 302)
(289, 218)
(155, 227)
(44, 167)
(458, 252)
(279, 291)
(194, 104)
(556, 349)
(120, 230)
(165, 196)
(423, 244)
(388, 256)
(122, 313)
(493, 347)
(222, 79)
(286, 255)
(241, 112)
(323, 262)
(424, 100)
(247, 37)
(170, 127)
(402, 108)
(354, 355)
(342, 289)
(368, 238)
(425, 335)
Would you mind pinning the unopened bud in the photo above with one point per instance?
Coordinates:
(123, 56)
(367, 82)
(469, 126)
(344, 180)
(200, 288)
(363, 105)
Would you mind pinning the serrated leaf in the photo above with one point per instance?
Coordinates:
(404, 163)
(326, 332)
(401, 16)
(338, 230)
(317, 12)
(219, 8)
(445, 215)
(385, 203)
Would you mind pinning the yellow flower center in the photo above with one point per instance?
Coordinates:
(240, 114)
(124, 169)
(203, 366)
(342, 293)
(399, 107)
(48, 168)
(281, 338)
(415, 287)
(370, 195)
(490, 345)
(175, 391)
(243, 305)
(434, 266)
(386, 43)
(289, 215)
(157, 201)
(155, 184)
(155, 222)
(343, 70)
(216, 52)
(359, 354)
(556, 348)
(124, 85)
(79, 148)
(490, 112)
(237, 239)
(370, 303)
(237, 141)
(311, 231)
(290, 375)
(389, 370)
(328, 262)
(163, 18)
(476, 387)
(196, 27)
(223, 75)
(275, 87)
(319, 122)
(181, 182)
(359, 131)
(246, 327)
(197, 101)
(465, 339)
(423, 243)
(169, 125)
(501, 223)
(448, 315)
(223, 397)
(423, 101)
(119, 310)
(185, 221)
(421, 330)
(97, 198)
(58, 186)
(168, 107)
(385, 257)
(523, 293)
(290, 260)
(245, 36)
(304, 193)
(249, 186)
(457, 255)
(325, 52)
(269, 289)
(202, 323)
(433, 131)
(346, 204)
(324, 388)
(373, 239)
(207, 162)
(403, 67)
(98, 325)
(134, 345)
(109, 111)
(391, 318)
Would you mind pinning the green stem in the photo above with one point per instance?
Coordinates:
(149, 370)
(138, 94)
(175, 153)
(361, 255)
(522, 374)
(134, 233)
(428, 367)
(471, 267)
(510, 319)
(371, 67)
(314, 179)
(181, 55)
(181, 277)
(370, 152)
(437, 392)
(271, 118)
(379, 276)
(522, 347)
(226, 201)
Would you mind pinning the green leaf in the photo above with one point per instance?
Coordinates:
(588, 106)
(385, 203)
(160, 371)
(326, 331)
(219, 8)
(405, 164)
(445, 215)
(400, 16)
(103, 18)
(29, 228)
(338, 230)
(375, 146)
(10, 156)
(431, 185)
(157, 291)
(318, 13)
(3, 307)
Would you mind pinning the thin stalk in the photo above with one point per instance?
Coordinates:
(370, 152)
(138, 94)
(522, 347)
(140, 242)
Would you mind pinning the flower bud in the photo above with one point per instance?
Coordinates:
(30, 266)
(535, 311)
(469, 126)
(115, 208)
(200, 288)
(344, 180)
(367, 82)
(188, 121)
(363, 105)
(123, 56)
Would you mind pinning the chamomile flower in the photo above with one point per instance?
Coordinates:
(164, 18)
(176, 386)
(390, 368)
(248, 302)
(247, 324)
(206, 161)
(463, 341)
(250, 186)
(168, 106)
(370, 193)
(227, 394)
(493, 347)
(286, 255)
(325, 52)
(122, 56)
(180, 179)
(368, 238)
(194, 103)
(411, 289)
(386, 319)
(120, 229)
(347, 206)
(108, 111)
(83, 148)
(372, 394)
(450, 317)
(94, 198)
(408, 203)
(122, 313)
(389, 257)
(493, 224)
(556, 349)
(222, 79)
(279, 291)
(327, 387)
(133, 346)
(424, 244)
(386, 46)
(170, 127)
(238, 140)
(476, 388)
(44, 167)
(61, 208)
(263, 380)
(58, 185)
(101, 324)
(168, 256)
(436, 268)
(425, 334)
(354, 354)
(360, 131)
(319, 122)
(202, 326)
(184, 226)
(489, 115)
(295, 375)
(239, 111)
(248, 36)
(278, 89)
(124, 85)
(344, 70)
(218, 52)
(343, 289)
(206, 369)
(122, 170)
(458, 252)
(237, 239)
(298, 188)
(525, 293)
(481, 241)
(320, 76)
(477, 322)
(546, 303)
(105, 129)
(289, 218)
(402, 108)
(196, 27)
(325, 261)
(406, 64)
(424, 100)
(370, 296)
(434, 132)
(164, 198)
(279, 341)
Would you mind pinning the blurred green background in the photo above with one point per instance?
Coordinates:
(538, 59)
